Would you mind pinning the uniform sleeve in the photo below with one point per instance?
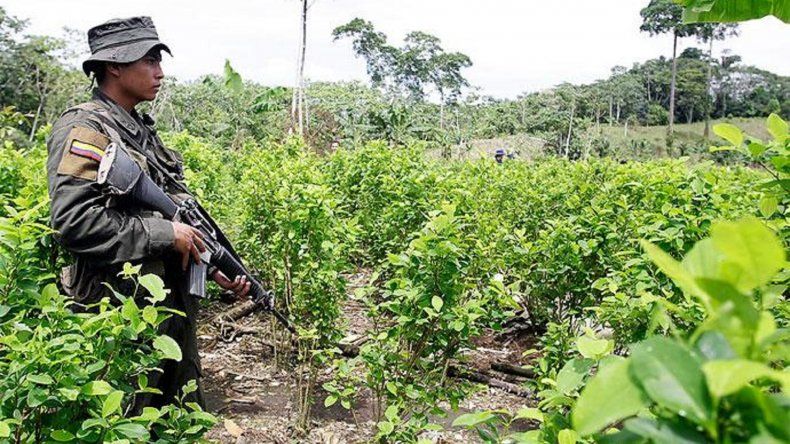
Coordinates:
(84, 224)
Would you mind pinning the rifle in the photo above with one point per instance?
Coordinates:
(120, 175)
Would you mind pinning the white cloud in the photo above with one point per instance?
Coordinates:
(516, 45)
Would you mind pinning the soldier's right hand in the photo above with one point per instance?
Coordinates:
(188, 242)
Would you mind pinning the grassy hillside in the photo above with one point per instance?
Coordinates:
(642, 141)
(634, 142)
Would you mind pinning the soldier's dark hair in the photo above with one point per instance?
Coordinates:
(99, 70)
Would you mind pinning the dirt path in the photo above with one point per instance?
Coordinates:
(255, 398)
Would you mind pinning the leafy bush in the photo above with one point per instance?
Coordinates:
(299, 238)
(73, 377)
(716, 383)
(427, 311)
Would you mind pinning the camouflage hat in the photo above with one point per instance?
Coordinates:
(121, 41)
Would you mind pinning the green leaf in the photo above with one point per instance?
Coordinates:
(730, 133)
(155, 287)
(756, 149)
(663, 433)
(672, 268)
(130, 311)
(132, 431)
(437, 303)
(777, 127)
(112, 403)
(150, 314)
(130, 270)
(330, 400)
(751, 247)
(97, 388)
(391, 413)
(69, 393)
(385, 427)
(470, 420)
(41, 379)
(62, 436)
(36, 397)
(530, 413)
(572, 374)
(567, 436)
(593, 348)
(391, 387)
(732, 314)
(232, 78)
(713, 345)
(728, 376)
(150, 414)
(671, 375)
(768, 206)
(168, 347)
(720, 11)
(5, 430)
(608, 397)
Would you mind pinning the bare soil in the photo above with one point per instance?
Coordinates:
(251, 389)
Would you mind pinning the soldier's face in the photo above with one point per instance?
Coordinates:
(143, 78)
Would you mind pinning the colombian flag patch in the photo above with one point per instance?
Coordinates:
(86, 150)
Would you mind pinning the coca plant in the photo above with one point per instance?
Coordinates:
(725, 380)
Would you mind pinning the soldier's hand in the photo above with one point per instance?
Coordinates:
(239, 286)
(189, 242)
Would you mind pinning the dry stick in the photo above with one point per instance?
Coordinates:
(476, 376)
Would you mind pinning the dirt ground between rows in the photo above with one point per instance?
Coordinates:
(256, 399)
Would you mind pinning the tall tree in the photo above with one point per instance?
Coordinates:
(298, 109)
(708, 33)
(661, 17)
(420, 67)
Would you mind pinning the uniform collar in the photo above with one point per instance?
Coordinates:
(129, 121)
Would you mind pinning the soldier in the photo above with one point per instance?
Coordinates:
(103, 232)
(499, 155)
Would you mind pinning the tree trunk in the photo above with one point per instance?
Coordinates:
(41, 98)
(570, 128)
(441, 111)
(670, 128)
(611, 110)
(708, 104)
(618, 113)
(625, 131)
(35, 119)
(297, 104)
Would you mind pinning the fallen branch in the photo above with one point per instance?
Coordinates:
(234, 314)
(504, 367)
(246, 376)
(476, 376)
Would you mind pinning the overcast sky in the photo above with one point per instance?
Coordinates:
(515, 45)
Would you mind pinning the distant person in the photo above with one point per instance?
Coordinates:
(499, 155)
(103, 231)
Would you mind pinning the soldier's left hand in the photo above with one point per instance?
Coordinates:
(239, 286)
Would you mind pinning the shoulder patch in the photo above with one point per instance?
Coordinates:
(83, 151)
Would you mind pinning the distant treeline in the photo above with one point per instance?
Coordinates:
(36, 77)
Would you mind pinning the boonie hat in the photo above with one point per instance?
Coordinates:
(121, 41)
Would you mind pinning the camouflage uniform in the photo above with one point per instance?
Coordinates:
(102, 231)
